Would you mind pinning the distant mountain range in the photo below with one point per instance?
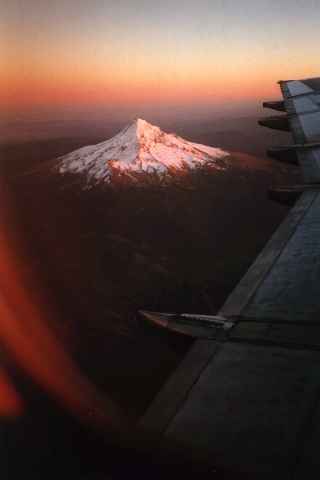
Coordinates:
(140, 147)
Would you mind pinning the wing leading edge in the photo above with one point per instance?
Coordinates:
(302, 106)
(251, 401)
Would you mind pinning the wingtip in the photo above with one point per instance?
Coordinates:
(157, 318)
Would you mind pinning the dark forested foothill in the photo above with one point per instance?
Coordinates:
(102, 253)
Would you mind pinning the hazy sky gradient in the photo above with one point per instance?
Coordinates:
(147, 52)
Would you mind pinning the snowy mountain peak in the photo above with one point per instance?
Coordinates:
(143, 147)
(143, 125)
(142, 129)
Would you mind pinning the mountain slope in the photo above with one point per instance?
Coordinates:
(140, 147)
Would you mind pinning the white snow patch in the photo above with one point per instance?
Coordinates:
(139, 147)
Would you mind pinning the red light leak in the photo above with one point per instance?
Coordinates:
(26, 336)
(11, 403)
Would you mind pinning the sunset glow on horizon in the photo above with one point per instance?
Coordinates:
(141, 52)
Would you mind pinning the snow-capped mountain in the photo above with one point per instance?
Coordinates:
(140, 147)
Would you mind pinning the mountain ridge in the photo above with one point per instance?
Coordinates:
(140, 147)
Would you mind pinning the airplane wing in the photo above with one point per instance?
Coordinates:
(249, 400)
(302, 106)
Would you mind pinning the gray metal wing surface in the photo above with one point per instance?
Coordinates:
(250, 398)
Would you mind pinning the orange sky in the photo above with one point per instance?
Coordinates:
(176, 52)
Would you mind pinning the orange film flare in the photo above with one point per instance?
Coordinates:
(11, 404)
(26, 336)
